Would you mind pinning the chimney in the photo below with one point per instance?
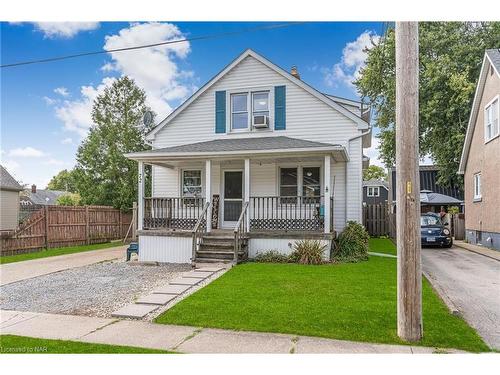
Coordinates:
(294, 72)
(33, 189)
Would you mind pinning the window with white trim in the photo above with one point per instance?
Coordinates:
(477, 186)
(246, 105)
(289, 184)
(373, 191)
(239, 111)
(311, 183)
(191, 183)
(491, 125)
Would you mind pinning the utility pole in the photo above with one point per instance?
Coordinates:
(408, 184)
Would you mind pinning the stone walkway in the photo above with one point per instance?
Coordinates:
(182, 339)
(166, 294)
(12, 272)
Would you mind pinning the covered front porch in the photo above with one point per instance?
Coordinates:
(282, 192)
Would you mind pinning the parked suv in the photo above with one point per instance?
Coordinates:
(434, 232)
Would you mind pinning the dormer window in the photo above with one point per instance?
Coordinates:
(250, 110)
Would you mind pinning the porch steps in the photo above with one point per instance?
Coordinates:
(218, 247)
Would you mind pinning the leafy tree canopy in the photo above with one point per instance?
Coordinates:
(450, 57)
(69, 199)
(64, 180)
(104, 175)
(374, 172)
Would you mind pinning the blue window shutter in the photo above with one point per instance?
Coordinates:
(279, 107)
(220, 111)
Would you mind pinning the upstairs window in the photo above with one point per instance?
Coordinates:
(373, 191)
(260, 103)
(245, 106)
(477, 186)
(239, 111)
(491, 126)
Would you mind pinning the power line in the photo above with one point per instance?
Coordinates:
(201, 37)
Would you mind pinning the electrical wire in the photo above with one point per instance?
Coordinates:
(201, 37)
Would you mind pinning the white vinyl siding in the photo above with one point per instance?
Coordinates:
(306, 116)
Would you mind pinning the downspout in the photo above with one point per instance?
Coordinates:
(368, 131)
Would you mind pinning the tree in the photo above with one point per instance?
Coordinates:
(450, 55)
(374, 172)
(64, 180)
(69, 199)
(104, 175)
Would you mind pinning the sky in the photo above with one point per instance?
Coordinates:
(45, 108)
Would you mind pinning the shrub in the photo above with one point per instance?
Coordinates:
(308, 252)
(352, 244)
(271, 256)
(69, 199)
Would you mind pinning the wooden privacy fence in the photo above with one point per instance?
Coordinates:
(376, 219)
(60, 226)
(458, 226)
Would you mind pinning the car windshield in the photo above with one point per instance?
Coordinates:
(429, 220)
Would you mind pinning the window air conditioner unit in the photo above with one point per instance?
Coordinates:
(260, 121)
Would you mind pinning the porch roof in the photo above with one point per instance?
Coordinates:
(242, 146)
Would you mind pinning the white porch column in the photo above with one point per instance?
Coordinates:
(327, 193)
(246, 195)
(140, 196)
(208, 192)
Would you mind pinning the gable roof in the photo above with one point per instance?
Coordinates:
(374, 182)
(325, 99)
(7, 182)
(491, 58)
(42, 197)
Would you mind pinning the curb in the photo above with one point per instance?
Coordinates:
(474, 251)
(442, 294)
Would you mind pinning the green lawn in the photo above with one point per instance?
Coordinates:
(382, 245)
(355, 301)
(21, 344)
(57, 251)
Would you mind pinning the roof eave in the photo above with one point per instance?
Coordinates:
(146, 156)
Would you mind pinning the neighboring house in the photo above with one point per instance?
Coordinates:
(256, 156)
(375, 191)
(442, 195)
(39, 197)
(9, 200)
(480, 162)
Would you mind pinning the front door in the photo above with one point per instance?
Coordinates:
(233, 198)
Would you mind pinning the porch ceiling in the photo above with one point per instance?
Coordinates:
(261, 148)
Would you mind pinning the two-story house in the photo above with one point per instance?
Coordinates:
(480, 162)
(253, 161)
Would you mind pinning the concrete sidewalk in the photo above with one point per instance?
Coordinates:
(12, 272)
(182, 339)
(481, 250)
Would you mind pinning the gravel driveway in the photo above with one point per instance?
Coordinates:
(93, 290)
(472, 282)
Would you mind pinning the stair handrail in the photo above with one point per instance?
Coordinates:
(198, 230)
(240, 231)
